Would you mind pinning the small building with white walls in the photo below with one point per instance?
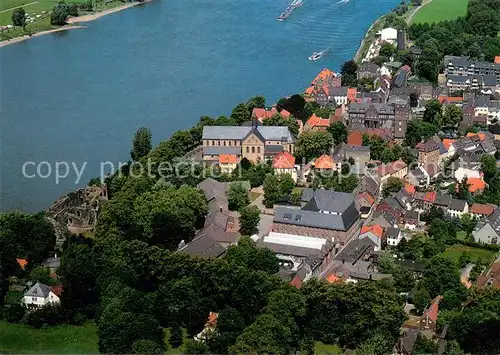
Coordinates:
(39, 295)
(389, 34)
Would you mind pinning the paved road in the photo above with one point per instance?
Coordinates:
(415, 10)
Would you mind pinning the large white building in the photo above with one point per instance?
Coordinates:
(40, 295)
(389, 34)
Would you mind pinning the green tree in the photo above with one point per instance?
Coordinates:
(78, 273)
(418, 130)
(59, 14)
(241, 114)
(141, 145)
(462, 191)
(433, 113)
(272, 190)
(19, 17)
(246, 254)
(192, 347)
(348, 71)
(286, 184)
(256, 101)
(453, 115)
(41, 274)
(238, 197)
(468, 223)
(421, 299)
(387, 50)
(170, 215)
(175, 339)
(338, 130)
(378, 344)
(249, 220)
(230, 324)
(313, 144)
(146, 347)
(424, 345)
(488, 166)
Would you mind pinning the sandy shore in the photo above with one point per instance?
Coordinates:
(92, 17)
(72, 23)
(24, 38)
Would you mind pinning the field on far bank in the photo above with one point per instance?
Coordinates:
(440, 10)
(455, 252)
(63, 339)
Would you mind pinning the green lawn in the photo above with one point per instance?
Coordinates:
(63, 339)
(320, 348)
(440, 10)
(455, 251)
(461, 235)
(8, 4)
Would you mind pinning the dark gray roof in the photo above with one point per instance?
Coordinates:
(355, 250)
(393, 232)
(298, 251)
(384, 219)
(52, 262)
(379, 107)
(327, 200)
(212, 189)
(458, 78)
(411, 215)
(457, 205)
(38, 290)
(273, 148)
(204, 246)
(314, 219)
(279, 133)
(368, 67)
(408, 341)
(443, 200)
(489, 80)
(338, 91)
(218, 150)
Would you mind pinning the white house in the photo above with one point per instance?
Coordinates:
(457, 208)
(40, 295)
(470, 172)
(389, 34)
(394, 236)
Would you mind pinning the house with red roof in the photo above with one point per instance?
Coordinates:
(315, 123)
(375, 233)
(284, 163)
(264, 113)
(365, 202)
(296, 282)
(429, 318)
(227, 163)
(321, 87)
(22, 263)
(476, 185)
(397, 169)
(480, 210)
(325, 162)
(355, 138)
(424, 200)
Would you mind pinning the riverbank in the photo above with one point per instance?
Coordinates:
(368, 38)
(72, 23)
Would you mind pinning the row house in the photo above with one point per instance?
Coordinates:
(319, 89)
(380, 115)
(397, 169)
(466, 67)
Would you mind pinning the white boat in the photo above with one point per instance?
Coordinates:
(317, 55)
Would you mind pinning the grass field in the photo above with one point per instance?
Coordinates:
(440, 10)
(455, 251)
(321, 349)
(64, 339)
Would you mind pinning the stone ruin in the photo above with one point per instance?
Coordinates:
(77, 211)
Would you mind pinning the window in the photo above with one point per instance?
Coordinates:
(213, 142)
(230, 143)
(253, 149)
(248, 150)
(224, 143)
(218, 142)
(258, 150)
(33, 299)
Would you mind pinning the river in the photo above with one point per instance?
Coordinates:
(78, 96)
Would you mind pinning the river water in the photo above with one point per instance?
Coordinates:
(79, 96)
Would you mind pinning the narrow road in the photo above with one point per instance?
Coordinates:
(16, 7)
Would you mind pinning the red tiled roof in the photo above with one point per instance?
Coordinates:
(479, 208)
(367, 197)
(450, 99)
(476, 184)
(332, 278)
(410, 189)
(351, 94)
(497, 59)
(324, 162)
(57, 290)
(315, 121)
(22, 263)
(227, 159)
(391, 168)
(375, 229)
(355, 138)
(296, 282)
(285, 113)
(430, 196)
(480, 135)
(262, 113)
(283, 160)
(448, 142)
(212, 319)
(433, 310)
(406, 68)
